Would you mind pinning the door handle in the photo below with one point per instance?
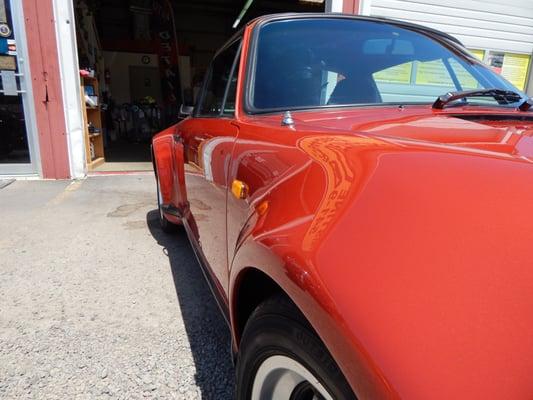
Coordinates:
(239, 189)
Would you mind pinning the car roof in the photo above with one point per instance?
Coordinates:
(407, 25)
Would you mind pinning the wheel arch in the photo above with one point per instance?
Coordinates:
(252, 287)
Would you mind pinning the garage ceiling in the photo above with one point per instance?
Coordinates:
(114, 16)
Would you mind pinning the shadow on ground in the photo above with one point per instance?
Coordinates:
(207, 330)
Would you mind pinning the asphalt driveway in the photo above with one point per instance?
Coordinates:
(97, 302)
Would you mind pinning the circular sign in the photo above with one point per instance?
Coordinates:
(146, 59)
(5, 31)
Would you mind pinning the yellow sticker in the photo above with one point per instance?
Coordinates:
(480, 54)
(515, 67)
(8, 63)
(464, 77)
(433, 73)
(397, 74)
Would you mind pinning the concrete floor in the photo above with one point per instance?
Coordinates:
(124, 166)
(96, 302)
(124, 155)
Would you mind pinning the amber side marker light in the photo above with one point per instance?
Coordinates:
(239, 189)
(262, 208)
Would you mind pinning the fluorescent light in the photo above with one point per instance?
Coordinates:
(245, 8)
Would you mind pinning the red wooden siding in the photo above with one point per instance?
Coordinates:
(350, 6)
(46, 82)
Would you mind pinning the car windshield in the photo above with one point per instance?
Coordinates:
(331, 62)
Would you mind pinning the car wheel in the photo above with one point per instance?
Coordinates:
(282, 358)
(166, 225)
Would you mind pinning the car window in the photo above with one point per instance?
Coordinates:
(415, 81)
(217, 81)
(418, 81)
(310, 63)
(465, 78)
(229, 105)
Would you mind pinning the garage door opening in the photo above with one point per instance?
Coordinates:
(140, 60)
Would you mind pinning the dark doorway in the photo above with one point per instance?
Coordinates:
(151, 55)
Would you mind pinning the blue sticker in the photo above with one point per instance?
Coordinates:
(3, 46)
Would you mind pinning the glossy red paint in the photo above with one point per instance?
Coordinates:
(402, 233)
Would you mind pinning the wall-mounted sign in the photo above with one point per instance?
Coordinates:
(9, 83)
(495, 61)
(515, 68)
(464, 77)
(433, 73)
(5, 31)
(8, 63)
(480, 54)
(168, 55)
(11, 47)
(3, 14)
(397, 74)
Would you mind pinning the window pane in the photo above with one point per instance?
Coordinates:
(217, 81)
(465, 78)
(433, 73)
(308, 63)
(229, 106)
(397, 74)
(414, 82)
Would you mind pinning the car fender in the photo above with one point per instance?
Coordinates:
(291, 276)
(281, 245)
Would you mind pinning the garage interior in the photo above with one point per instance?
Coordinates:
(140, 60)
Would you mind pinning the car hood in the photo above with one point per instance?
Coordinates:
(507, 132)
(420, 238)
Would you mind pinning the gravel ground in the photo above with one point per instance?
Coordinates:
(96, 302)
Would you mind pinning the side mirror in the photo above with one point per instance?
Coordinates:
(185, 111)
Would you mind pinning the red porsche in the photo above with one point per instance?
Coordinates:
(358, 193)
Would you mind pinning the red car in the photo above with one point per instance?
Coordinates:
(358, 192)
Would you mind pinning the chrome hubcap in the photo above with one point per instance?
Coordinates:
(281, 377)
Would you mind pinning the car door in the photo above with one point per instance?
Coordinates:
(208, 138)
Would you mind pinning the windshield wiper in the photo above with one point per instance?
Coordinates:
(526, 105)
(501, 96)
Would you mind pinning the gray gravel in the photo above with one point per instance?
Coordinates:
(97, 303)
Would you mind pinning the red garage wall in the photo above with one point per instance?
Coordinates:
(46, 82)
(350, 6)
